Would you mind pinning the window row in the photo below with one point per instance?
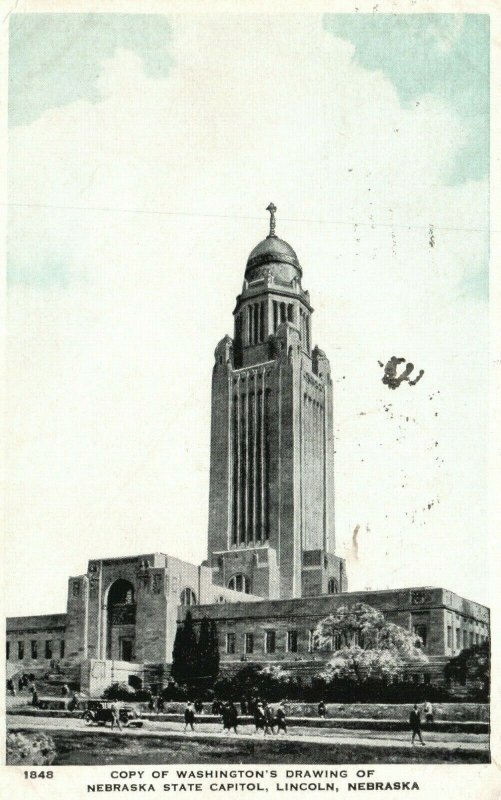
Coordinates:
(36, 648)
(464, 641)
(249, 642)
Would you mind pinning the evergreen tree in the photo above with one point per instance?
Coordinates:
(185, 652)
(190, 649)
(178, 668)
(213, 651)
(204, 643)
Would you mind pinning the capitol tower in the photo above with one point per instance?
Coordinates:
(271, 501)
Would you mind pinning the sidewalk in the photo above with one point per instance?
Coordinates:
(338, 737)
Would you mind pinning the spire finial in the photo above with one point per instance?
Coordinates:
(272, 208)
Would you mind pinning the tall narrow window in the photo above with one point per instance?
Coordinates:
(188, 597)
(243, 466)
(269, 641)
(312, 641)
(239, 583)
(261, 322)
(249, 643)
(230, 643)
(266, 463)
(332, 586)
(20, 650)
(48, 648)
(292, 641)
(61, 648)
(34, 649)
(289, 312)
(7, 650)
(458, 639)
(449, 637)
(422, 632)
(235, 471)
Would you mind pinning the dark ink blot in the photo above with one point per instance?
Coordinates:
(390, 377)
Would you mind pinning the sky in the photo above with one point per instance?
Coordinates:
(143, 151)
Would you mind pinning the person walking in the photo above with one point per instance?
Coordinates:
(225, 716)
(269, 720)
(65, 690)
(428, 712)
(415, 724)
(189, 717)
(34, 696)
(115, 717)
(281, 719)
(232, 716)
(259, 721)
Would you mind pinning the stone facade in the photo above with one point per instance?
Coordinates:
(271, 572)
(123, 611)
(271, 502)
(281, 632)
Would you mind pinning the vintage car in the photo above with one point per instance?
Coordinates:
(99, 712)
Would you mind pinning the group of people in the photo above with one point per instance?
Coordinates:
(157, 704)
(266, 717)
(24, 682)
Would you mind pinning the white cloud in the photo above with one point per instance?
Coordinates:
(109, 405)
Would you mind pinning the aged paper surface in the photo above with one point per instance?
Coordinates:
(250, 544)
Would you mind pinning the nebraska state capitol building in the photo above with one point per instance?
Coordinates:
(272, 572)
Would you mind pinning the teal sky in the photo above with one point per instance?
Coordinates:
(55, 59)
(442, 54)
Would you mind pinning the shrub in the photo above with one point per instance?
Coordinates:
(122, 691)
(34, 749)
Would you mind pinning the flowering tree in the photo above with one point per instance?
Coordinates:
(366, 646)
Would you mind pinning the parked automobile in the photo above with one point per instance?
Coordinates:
(98, 712)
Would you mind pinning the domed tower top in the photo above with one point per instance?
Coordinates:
(273, 255)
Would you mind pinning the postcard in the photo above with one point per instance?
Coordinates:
(249, 381)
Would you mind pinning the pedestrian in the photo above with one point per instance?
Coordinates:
(20, 684)
(10, 687)
(269, 719)
(34, 696)
(115, 717)
(65, 690)
(259, 717)
(321, 709)
(281, 720)
(428, 712)
(73, 704)
(160, 704)
(152, 703)
(226, 718)
(216, 708)
(415, 724)
(243, 707)
(232, 716)
(189, 716)
(199, 707)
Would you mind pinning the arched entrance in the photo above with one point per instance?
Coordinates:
(121, 621)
